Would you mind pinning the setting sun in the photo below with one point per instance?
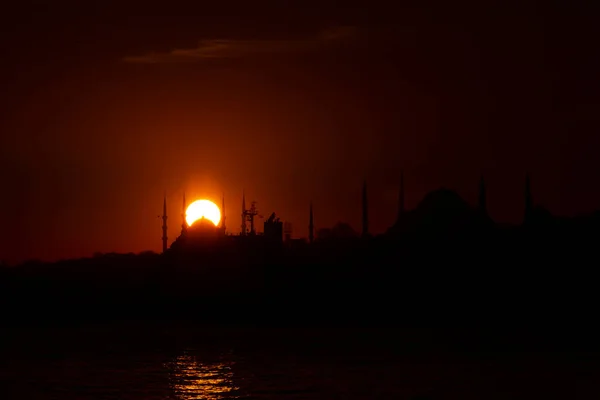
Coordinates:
(203, 209)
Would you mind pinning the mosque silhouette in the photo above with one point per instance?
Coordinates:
(441, 213)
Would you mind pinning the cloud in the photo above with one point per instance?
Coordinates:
(228, 49)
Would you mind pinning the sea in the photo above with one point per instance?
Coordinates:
(175, 361)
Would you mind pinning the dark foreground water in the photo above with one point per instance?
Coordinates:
(167, 362)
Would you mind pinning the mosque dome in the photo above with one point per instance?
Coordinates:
(443, 210)
(443, 201)
(202, 223)
(202, 228)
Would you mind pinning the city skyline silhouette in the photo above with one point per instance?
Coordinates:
(530, 206)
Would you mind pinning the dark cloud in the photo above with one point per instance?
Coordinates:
(227, 48)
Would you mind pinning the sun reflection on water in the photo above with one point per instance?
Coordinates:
(189, 378)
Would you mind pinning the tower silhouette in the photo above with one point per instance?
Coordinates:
(311, 227)
(482, 203)
(365, 211)
(183, 221)
(164, 226)
(401, 197)
(223, 228)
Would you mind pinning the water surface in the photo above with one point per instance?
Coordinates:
(183, 363)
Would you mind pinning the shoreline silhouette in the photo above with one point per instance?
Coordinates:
(444, 263)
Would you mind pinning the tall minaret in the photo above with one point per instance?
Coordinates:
(401, 196)
(183, 221)
(243, 213)
(482, 203)
(311, 226)
(164, 226)
(365, 211)
(223, 214)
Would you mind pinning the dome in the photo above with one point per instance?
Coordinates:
(444, 210)
(443, 200)
(202, 223)
(202, 227)
(343, 230)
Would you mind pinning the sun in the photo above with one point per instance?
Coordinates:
(202, 209)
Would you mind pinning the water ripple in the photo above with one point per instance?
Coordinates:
(191, 379)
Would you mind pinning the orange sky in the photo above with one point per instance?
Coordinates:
(292, 106)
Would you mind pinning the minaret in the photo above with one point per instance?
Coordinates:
(183, 221)
(223, 228)
(482, 196)
(311, 227)
(365, 211)
(401, 197)
(164, 226)
(243, 213)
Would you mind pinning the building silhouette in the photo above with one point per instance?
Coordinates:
(273, 229)
(203, 234)
(440, 212)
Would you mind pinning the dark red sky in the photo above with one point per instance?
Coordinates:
(292, 103)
